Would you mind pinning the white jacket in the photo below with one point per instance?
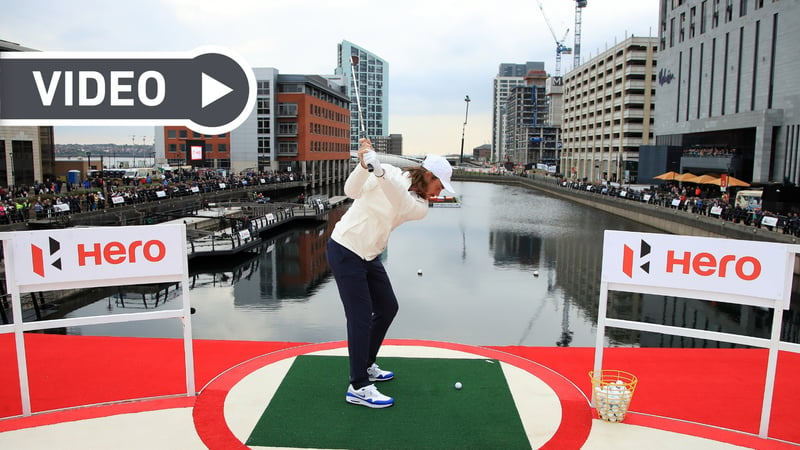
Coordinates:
(380, 205)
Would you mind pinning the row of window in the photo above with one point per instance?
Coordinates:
(221, 148)
(692, 28)
(578, 87)
(313, 91)
(183, 134)
(710, 85)
(634, 55)
(633, 100)
(326, 113)
(327, 130)
(331, 147)
(631, 87)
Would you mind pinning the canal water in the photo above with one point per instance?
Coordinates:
(512, 266)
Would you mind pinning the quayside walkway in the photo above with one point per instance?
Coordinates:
(670, 220)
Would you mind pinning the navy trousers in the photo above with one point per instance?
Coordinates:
(369, 307)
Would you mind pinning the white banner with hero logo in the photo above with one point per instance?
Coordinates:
(87, 257)
(738, 271)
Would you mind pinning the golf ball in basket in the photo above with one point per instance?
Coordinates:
(458, 385)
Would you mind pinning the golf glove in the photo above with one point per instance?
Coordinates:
(371, 159)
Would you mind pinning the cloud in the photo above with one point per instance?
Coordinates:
(438, 51)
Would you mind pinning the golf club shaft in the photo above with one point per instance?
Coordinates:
(353, 63)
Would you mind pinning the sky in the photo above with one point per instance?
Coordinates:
(438, 51)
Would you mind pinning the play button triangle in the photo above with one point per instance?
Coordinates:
(212, 90)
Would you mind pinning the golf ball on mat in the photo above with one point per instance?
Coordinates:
(458, 385)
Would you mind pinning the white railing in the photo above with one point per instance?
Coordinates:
(174, 268)
(773, 343)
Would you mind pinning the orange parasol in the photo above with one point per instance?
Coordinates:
(667, 176)
(733, 182)
(705, 179)
(688, 176)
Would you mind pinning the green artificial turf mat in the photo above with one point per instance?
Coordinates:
(309, 411)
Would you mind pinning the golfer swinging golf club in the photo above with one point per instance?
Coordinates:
(383, 199)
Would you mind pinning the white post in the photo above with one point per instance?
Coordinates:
(772, 362)
(19, 336)
(186, 320)
(601, 331)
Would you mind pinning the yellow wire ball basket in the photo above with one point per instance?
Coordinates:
(612, 391)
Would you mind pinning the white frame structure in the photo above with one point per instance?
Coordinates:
(172, 269)
(611, 280)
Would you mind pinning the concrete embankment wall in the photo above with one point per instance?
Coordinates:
(668, 220)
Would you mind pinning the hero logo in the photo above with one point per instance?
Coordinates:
(37, 256)
(97, 254)
(704, 264)
(627, 259)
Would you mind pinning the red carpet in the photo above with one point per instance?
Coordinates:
(719, 387)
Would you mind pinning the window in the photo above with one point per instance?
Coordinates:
(172, 148)
(263, 88)
(288, 148)
(171, 134)
(263, 145)
(263, 107)
(287, 109)
(715, 15)
(681, 29)
(672, 32)
(703, 16)
(287, 128)
(182, 134)
(222, 148)
(692, 13)
(263, 126)
(290, 87)
(742, 8)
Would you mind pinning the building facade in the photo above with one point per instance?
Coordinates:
(300, 124)
(529, 139)
(372, 76)
(509, 76)
(29, 154)
(608, 112)
(392, 144)
(727, 86)
(313, 121)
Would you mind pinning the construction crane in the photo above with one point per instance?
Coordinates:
(560, 47)
(579, 5)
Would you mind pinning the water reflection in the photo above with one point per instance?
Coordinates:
(511, 267)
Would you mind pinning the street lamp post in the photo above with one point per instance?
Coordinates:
(463, 129)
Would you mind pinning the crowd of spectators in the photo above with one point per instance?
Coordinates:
(52, 198)
(696, 199)
(709, 151)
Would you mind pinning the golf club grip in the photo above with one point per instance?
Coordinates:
(370, 168)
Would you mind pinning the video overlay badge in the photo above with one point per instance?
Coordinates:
(209, 90)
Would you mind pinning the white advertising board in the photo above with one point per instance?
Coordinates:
(738, 271)
(102, 256)
(727, 270)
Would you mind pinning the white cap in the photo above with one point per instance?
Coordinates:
(440, 167)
